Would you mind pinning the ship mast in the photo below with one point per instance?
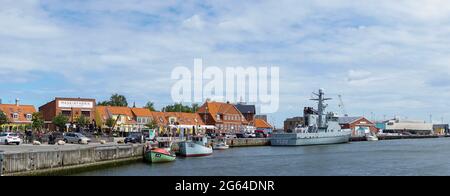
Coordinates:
(321, 106)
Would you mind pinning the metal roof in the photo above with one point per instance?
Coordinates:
(348, 120)
(245, 109)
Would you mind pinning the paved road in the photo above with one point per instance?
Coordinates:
(46, 147)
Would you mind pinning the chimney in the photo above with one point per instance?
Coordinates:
(17, 102)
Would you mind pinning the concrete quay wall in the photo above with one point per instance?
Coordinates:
(33, 162)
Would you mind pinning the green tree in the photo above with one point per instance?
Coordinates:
(110, 123)
(179, 107)
(152, 124)
(115, 100)
(3, 118)
(60, 121)
(150, 105)
(194, 108)
(82, 121)
(103, 103)
(118, 100)
(37, 121)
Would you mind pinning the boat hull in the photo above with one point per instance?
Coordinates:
(157, 157)
(221, 147)
(307, 139)
(190, 149)
(372, 138)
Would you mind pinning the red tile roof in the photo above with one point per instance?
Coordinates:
(21, 110)
(162, 118)
(215, 108)
(260, 123)
(106, 112)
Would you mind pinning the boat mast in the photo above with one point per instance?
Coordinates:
(321, 106)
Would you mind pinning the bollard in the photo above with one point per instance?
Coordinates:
(1, 162)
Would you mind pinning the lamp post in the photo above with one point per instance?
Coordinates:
(1, 162)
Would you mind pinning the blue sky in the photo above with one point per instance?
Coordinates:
(385, 57)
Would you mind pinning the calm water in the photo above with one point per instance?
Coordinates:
(395, 157)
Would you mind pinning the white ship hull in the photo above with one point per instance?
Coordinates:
(371, 138)
(191, 149)
(306, 139)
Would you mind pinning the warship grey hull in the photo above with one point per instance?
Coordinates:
(307, 139)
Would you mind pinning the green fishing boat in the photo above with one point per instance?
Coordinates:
(159, 155)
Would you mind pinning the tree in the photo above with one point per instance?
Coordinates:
(118, 100)
(110, 123)
(82, 121)
(60, 121)
(37, 121)
(179, 107)
(115, 100)
(152, 124)
(103, 103)
(194, 107)
(150, 105)
(3, 118)
(98, 120)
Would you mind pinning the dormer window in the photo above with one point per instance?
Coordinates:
(218, 116)
(29, 116)
(15, 116)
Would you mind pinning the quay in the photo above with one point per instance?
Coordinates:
(61, 160)
(247, 142)
(396, 137)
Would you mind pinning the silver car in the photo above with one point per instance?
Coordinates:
(75, 138)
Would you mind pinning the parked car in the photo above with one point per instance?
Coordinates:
(261, 134)
(134, 138)
(75, 138)
(249, 135)
(10, 138)
(230, 136)
(240, 135)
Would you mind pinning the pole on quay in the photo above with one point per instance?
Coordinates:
(1, 162)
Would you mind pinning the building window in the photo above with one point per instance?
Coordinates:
(66, 113)
(86, 113)
(218, 116)
(15, 116)
(29, 116)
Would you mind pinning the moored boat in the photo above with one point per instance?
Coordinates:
(159, 155)
(371, 137)
(221, 144)
(196, 147)
(318, 129)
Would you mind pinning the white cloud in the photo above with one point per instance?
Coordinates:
(367, 51)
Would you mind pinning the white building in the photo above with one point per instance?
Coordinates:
(409, 126)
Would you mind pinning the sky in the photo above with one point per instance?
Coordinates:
(386, 58)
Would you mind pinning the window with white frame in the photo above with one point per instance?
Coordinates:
(15, 115)
(29, 116)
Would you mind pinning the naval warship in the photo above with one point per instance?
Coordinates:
(318, 128)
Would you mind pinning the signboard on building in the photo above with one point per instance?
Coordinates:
(75, 104)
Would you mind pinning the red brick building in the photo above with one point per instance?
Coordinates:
(70, 107)
(359, 125)
(225, 116)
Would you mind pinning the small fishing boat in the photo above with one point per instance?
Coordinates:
(371, 137)
(221, 144)
(159, 155)
(160, 152)
(196, 147)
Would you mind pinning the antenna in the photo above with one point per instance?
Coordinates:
(341, 105)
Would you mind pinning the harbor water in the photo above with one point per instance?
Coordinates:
(389, 157)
